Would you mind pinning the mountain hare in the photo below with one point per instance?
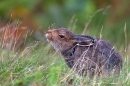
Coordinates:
(86, 55)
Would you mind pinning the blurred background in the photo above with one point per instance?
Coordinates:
(23, 24)
(109, 18)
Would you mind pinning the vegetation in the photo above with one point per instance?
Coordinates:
(36, 66)
(37, 63)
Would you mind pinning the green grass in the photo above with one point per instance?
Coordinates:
(41, 66)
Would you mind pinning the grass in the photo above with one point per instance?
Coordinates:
(36, 66)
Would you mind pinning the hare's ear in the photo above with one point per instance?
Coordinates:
(84, 43)
(82, 40)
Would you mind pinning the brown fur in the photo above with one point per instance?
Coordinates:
(86, 55)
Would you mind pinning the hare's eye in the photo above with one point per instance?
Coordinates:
(61, 36)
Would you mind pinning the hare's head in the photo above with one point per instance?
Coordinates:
(62, 39)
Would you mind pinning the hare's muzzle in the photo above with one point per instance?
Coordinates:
(49, 35)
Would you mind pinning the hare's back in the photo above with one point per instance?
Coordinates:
(107, 52)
